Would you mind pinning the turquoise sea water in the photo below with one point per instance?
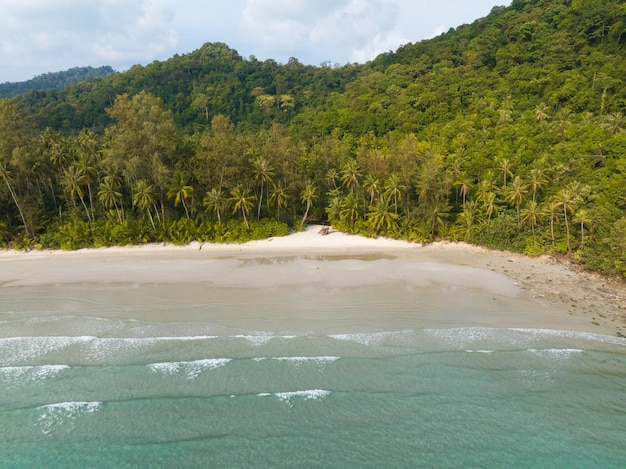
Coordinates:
(85, 387)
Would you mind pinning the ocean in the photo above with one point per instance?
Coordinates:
(146, 375)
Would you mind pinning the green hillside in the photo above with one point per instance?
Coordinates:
(54, 80)
(508, 132)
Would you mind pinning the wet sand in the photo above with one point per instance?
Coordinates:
(542, 292)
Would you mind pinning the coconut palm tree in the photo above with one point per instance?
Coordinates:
(307, 197)
(371, 185)
(551, 210)
(144, 198)
(567, 199)
(393, 190)
(241, 199)
(180, 191)
(72, 181)
(351, 175)
(263, 172)
(215, 200)
(536, 180)
(8, 180)
(505, 170)
(110, 196)
(382, 215)
(350, 209)
(279, 198)
(584, 218)
(515, 193)
(530, 215)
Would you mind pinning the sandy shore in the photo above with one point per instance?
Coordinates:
(555, 295)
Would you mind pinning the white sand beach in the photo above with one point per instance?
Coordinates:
(536, 293)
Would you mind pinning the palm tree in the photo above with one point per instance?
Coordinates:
(109, 196)
(567, 199)
(180, 191)
(393, 190)
(584, 218)
(381, 215)
(241, 199)
(350, 209)
(530, 215)
(371, 185)
(144, 197)
(468, 217)
(215, 200)
(505, 169)
(279, 198)
(308, 196)
(263, 172)
(331, 178)
(465, 184)
(551, 210)
(541, 112)
(351, 175)
(536, 180)
(72, 180)
(515, 194)
(6, 176)
(333, 211)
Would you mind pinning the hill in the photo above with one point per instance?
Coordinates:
(54, 80)
(508, 132)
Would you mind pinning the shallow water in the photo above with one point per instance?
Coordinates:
(164, 375)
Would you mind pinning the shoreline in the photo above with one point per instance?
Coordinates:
(571, 299)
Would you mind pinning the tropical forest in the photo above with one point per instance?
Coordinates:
(509, 133)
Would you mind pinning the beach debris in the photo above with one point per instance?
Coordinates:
(324, 230)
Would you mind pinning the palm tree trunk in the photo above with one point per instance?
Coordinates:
(19, 209)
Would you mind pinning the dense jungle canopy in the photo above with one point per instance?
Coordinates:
(509, 132)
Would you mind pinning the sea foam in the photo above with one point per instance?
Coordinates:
(59, 414)
(24, 374)
(190, 368)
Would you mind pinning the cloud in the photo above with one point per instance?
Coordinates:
(348, 30)
(68, 33)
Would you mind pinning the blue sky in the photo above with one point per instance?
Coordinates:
(38, 36)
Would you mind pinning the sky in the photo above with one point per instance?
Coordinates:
(39, 36)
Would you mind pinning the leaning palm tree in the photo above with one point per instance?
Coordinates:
(215, 200)
(308, 196)
(241, 199)
(180, 191)
(8, 180)
(536, 180)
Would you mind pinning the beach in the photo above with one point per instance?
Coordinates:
(308, 350)
(548, 294)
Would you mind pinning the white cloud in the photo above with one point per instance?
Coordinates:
(347, 30)
(61, 34)
(38, 36)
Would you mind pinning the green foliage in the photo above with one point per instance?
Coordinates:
(54, 80)
(508, 132)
